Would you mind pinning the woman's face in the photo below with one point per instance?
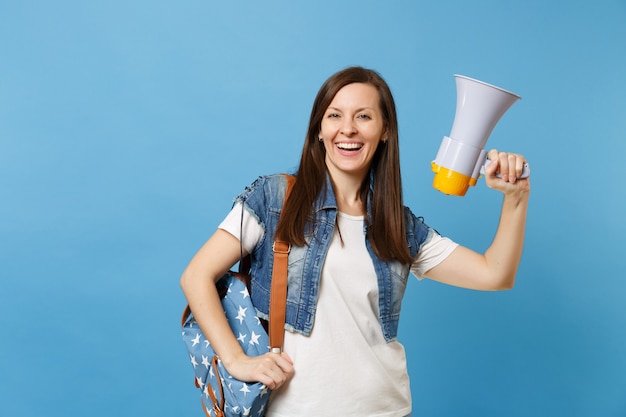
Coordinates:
(351, 129)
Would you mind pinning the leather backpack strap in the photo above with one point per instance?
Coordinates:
(218, 406)
(278, 292)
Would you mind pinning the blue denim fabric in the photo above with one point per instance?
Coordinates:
(264, 199)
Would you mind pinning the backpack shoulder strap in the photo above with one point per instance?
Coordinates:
(278, 292)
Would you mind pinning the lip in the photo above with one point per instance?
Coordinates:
(349, 148)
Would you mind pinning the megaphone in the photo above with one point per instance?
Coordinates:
(461, 157)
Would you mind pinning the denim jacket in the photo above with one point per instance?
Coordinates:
(264, 200)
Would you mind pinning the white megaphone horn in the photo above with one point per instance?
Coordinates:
(461, 157)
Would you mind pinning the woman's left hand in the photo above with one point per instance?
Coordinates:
(504, 172)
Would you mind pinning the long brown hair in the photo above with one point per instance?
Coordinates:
(386, 226)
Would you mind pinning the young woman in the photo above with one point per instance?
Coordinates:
(354, 244)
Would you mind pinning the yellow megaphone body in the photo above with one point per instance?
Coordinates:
(461, 156)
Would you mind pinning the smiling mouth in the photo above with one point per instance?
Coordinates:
(349, 146)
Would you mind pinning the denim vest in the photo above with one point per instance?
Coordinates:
(264, 200)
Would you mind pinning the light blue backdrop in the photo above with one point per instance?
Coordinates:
(127, 127)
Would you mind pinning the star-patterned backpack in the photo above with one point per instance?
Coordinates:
(221, 394)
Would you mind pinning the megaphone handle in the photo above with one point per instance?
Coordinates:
(525, 170)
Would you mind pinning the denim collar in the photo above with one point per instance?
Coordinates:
(327, 200)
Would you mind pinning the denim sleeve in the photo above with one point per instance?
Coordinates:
(263, 200)
(253, 198)
(416, 230)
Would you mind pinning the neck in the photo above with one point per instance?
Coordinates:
(347, 190)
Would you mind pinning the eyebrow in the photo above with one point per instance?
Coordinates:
(357, 110)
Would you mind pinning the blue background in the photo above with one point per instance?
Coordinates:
(126, 128)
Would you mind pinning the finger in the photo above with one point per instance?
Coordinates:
(286, 364)
(519, 165)
(493, 166)
(504, 166)
(275, 369)
(272, 379)
(512, 159)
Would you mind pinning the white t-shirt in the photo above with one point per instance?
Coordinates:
(345, 367)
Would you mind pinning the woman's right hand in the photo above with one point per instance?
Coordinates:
(270, 369)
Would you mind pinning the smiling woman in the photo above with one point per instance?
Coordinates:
(353, 244)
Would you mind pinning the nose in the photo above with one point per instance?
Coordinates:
(348, 128)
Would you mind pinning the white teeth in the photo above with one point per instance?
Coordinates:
(349, 146)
